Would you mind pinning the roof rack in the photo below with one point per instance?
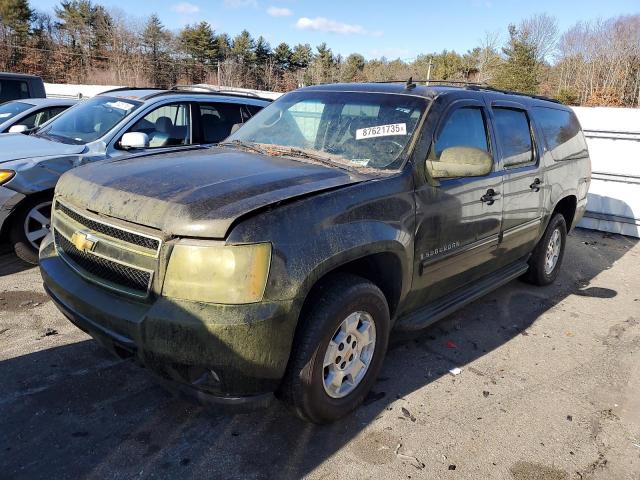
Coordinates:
(213, 90)
(476, 86)
(120, 89)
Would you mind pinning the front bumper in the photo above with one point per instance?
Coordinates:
(231, 353)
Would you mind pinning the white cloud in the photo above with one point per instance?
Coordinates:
(185, 8)
(240, 3)
(322, 24)
(279, 12)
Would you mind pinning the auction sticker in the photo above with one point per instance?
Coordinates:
(382, 131)
(120, 105)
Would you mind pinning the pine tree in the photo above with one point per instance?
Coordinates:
(520, 71)
(352, 70)
(301, 56)
(243, 48)
(199, 43)
(16, 15)
(282, 57)
(156, 41)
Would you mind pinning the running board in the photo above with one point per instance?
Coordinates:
(436, 311)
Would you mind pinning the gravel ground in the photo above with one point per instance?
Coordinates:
(549, 389)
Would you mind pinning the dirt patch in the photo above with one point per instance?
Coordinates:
(536, 471)
(14, 301)
(376, 448)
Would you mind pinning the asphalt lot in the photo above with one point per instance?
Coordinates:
(549, 389)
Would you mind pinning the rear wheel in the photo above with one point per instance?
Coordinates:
(31, 223)
(338, 349)
(546, 258)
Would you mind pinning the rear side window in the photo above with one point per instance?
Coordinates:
(166, 126)
(514, 136)
(465, 127)
(561, 132)
(36, 119)
(13, 89)
(217, 120)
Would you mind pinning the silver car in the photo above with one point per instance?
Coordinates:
(113, 123)
(23, 115)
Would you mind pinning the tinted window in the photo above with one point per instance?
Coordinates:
(514, 135)
(561, 132)
(166, 126)
(12, 89)
(217, 121)
(253, 109)
(464, 128)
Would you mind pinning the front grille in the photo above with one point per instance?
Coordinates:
(124, 235)
(103, 269)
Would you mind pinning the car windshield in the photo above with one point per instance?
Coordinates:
(11, 109)
(88, 120)
(356, 129)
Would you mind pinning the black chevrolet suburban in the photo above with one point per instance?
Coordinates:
(280, 260)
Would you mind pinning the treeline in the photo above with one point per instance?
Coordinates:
(595, 63)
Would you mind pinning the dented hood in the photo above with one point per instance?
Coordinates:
(194, 193)
(16, 146)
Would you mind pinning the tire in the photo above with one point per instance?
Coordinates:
(343, 298)
(540, 271)
(26, 217)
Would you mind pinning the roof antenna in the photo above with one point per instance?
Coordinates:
(410, 85)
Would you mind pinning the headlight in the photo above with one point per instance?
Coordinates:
(6, 175)
(231, 274)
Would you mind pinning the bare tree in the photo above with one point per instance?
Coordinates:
(541, 31)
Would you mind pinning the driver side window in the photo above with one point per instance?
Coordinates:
(461, 148)
(166, 126)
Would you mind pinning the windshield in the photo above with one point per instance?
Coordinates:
(11, 109)
(88, 120)
(357, 128)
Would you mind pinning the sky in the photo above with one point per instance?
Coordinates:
(390, 28)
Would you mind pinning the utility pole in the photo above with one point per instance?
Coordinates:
(429, 69)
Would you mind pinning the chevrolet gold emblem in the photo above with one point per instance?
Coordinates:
(84, 241)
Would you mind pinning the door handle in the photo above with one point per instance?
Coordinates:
(490, 197)
(535, 186)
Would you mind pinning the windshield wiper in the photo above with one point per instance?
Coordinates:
(54, 137)
(242, 144)
(325, 160)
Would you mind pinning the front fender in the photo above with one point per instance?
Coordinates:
(315, 235)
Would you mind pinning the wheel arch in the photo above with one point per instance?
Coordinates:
(566, 206)
(384, 269)
(6, 225)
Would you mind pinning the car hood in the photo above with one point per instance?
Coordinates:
(17, 146)
(195, 193)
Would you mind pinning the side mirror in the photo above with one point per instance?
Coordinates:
(461, 162)
(18, 129)
(235, 127)
(134, 140)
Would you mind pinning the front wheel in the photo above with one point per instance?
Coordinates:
(338, 349)
(31, 223)
(546, 258)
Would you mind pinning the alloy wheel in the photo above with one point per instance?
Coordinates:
(349, 354)
(553, 252)
(37, 223)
